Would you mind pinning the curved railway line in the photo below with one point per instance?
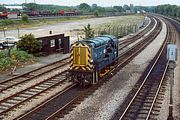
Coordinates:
(65, 100)
(146, 102)
(62, 106)
(124, 43)
(21, 79)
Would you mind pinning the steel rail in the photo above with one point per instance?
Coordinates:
(52, 116)
(28, 76)
(44, 103)
(145, 80)
(146, 38)
(31, 96)
(160, 85)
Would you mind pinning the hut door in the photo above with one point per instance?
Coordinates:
(59, 43)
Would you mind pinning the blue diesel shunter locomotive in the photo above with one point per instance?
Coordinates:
(93, 58)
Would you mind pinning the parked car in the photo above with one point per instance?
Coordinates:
(1, 46)
(8, 42)
(11, 40)
(1, 43)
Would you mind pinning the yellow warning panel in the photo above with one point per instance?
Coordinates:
(81, 57)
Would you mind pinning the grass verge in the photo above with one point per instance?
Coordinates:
(13, 24)
(17, 58)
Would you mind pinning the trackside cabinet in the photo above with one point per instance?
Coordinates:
(172, 52)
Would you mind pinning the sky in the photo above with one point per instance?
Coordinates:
(98, 2)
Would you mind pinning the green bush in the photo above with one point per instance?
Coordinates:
(29, 43)
(96, 14)
(16, 56)
(25, 18)
(7, 22)
(89, 32)
(5, 63)
(3, 54)
(21, 55)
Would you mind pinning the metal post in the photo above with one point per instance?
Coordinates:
(171, 81)
(109, 30)
(117, 32)
(172, 58)
(18, 32)
(4, 30)
(125, 33)
(99, 31)
(9, 50)
(134, 28)
(121, 31)
(78, 36)
(113, 30)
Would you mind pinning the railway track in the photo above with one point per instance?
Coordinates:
(13, 101)
(48, 114)
(6, 85)
(146, 102)
(21, 79)
(29, 93)
(124, 43)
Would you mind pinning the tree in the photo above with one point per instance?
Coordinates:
(118, 8)
(96, 14)
(84, 6)
(94, 6)
(32, 6)
(126, 7)
(2, 8)
(178, 12)
(168, 10)
(89, 33)
(25, 18)
(29, 43)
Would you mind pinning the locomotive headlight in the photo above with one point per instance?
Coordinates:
(115, 52)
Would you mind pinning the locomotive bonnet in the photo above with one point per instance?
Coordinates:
(93, 58)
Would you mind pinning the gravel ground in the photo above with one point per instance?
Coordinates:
(30, 104)
(104, 102)
(176, 92)
(41, 61)
(34, 102)
(70, 26)
(30, 83)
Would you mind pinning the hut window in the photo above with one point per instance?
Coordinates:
(52, 43)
